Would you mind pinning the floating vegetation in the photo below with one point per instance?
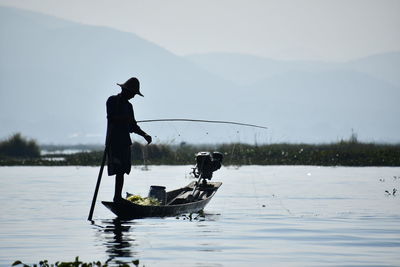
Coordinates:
(144, 201)
(78, 263)
(393, 193)
(200, 216)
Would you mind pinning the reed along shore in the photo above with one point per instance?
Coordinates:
(344, 153)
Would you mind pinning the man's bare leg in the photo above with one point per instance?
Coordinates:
(119, 183)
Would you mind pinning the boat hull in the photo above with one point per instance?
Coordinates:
(129, 210)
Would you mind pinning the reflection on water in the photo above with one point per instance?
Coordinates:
(117, 237)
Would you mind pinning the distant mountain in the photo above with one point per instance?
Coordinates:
(383, 66)
(319, 99)
(56, 75)
(247, 69)
(322, 104)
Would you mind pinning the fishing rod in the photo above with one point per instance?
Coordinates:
(206, 121)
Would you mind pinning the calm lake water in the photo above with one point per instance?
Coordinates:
(261, 216)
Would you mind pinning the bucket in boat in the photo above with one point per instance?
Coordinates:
(158, 192)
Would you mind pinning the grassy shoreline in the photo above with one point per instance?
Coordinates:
(344, 153)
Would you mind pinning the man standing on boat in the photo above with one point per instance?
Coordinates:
(120, 122)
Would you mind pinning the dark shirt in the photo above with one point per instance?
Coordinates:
(120, 121)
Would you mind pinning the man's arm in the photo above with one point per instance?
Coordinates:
(134, 128)
(137, 130)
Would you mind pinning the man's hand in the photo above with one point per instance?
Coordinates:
(148, 138)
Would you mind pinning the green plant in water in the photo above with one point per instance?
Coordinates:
(78, 263)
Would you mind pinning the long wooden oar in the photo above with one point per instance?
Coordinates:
(97, 184)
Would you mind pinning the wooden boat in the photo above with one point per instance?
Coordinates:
(189, 199)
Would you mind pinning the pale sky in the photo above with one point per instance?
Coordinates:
(336, 30)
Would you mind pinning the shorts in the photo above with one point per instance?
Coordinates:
(119, 160)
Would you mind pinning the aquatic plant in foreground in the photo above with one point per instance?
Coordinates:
(78, 263)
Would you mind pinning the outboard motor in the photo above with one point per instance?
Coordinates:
(206, 164)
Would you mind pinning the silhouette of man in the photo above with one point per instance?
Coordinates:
(120, 122)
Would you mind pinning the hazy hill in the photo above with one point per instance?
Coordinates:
(248, 69)
(55, 77)
(319, 99)
(326, 103)
(383, 66)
